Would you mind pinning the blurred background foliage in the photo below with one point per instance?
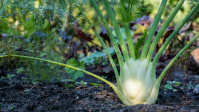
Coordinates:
(25, 17)
(153, 4)
(55, 30)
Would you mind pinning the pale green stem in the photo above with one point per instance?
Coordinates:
(153, 28)
(158, 81)
(127, 29)
(129, 40)
(117, 30)
(163, 29)
(168, 40)
(57, 63)
(118, 92)
(122, 7)
(104, 46)
(115, 45)
(176, 57)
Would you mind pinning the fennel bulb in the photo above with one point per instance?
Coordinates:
(137, 83)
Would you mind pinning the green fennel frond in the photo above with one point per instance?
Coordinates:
(128, 10)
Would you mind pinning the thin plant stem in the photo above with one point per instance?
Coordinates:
(125, 19)
(129, 40)
(154, 26)
(104, 46)
(163, 29)
(117, 30)
(118, 92)
(176, 57)
(168, 40)
(115, 45)
(57, 63)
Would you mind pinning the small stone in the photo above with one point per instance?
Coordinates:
(196, 91)
(195, 55)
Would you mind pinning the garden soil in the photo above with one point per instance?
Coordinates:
(18, 95)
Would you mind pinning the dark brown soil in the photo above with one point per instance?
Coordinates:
(22, 96)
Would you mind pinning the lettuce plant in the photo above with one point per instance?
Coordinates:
(136, 82)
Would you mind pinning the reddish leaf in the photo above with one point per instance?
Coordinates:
(82, 36)
(103, 33)
(145, 21)
(132, 26)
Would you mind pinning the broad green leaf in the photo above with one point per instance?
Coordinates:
(74, 73)
(97, 56)
(111, 50)
(177, 83)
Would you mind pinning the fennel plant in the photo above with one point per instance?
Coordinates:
(136, 82)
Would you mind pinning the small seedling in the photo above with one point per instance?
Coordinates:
(196, 89)
(10, 76)
(11, 108)
(171, 84)
(81, 82)
(94, 84)
(27, 91)
(20, 70)
(190, 86)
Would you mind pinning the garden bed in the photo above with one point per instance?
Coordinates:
(20, 95)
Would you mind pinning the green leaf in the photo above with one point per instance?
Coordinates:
(81, 82)
(96, 57)
(111, 50)
(122, 30)
(138, 45)
(168, 86)
(177, 83)
(197, 86)
(94, 84)
(74, 73)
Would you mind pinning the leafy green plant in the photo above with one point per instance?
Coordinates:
(73, 73)
(10, 76)
(11, 108)
(97, 57)
(153, 4)
(24, 17)
(20, 70)
(82, 83)
(170, 85)
(196, 89)
(190, 86)
(37, 71)
(137, 82)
